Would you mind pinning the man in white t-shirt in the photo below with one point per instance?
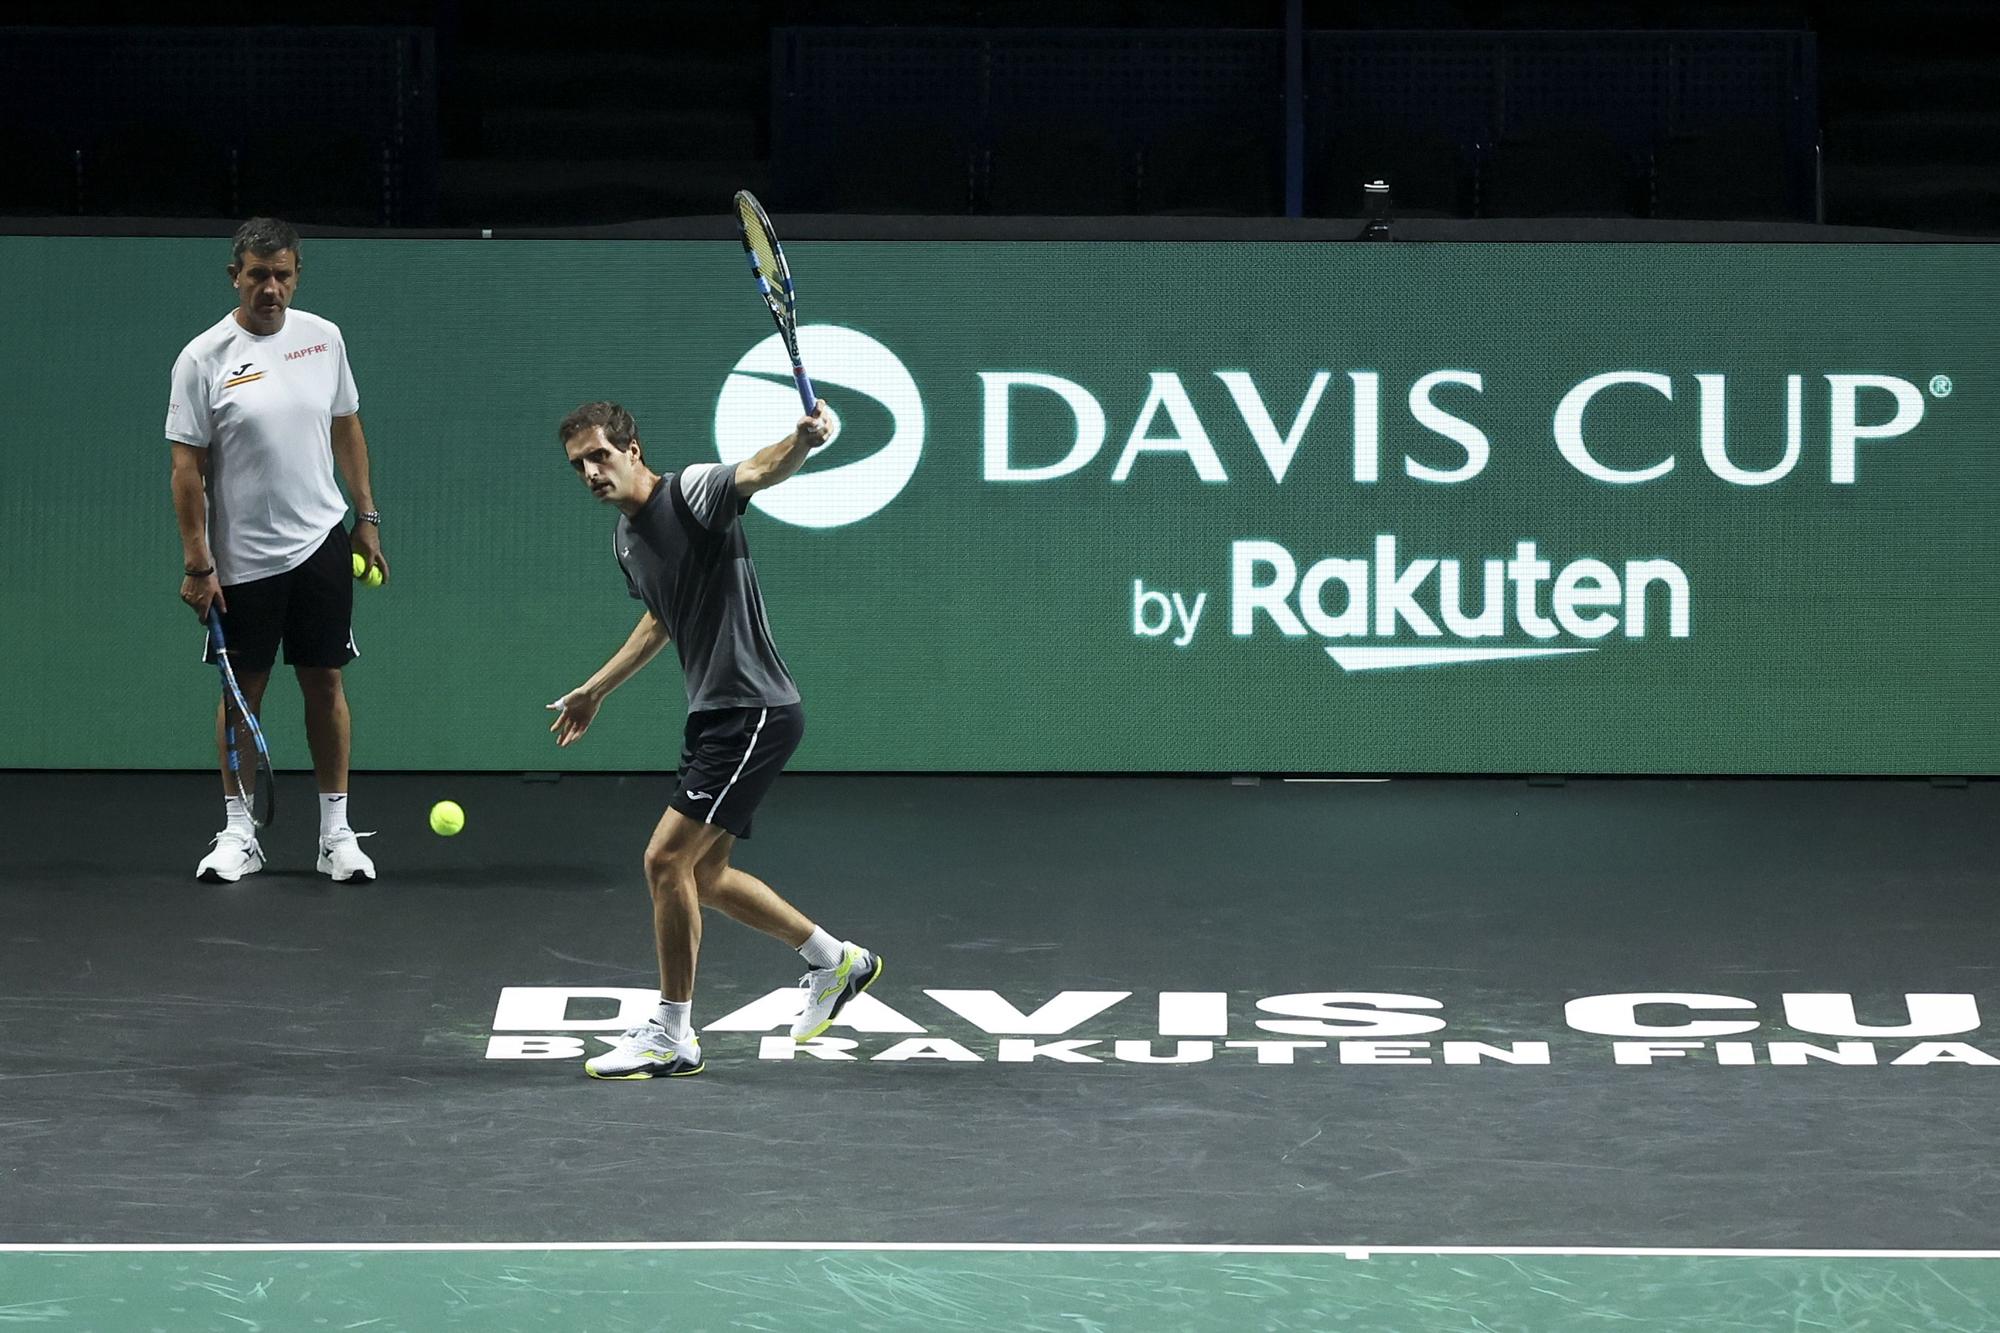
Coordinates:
(262, 411)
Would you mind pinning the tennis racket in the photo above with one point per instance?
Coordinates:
(774, 283)
(261, 798)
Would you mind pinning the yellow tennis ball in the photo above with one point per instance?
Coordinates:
(374, 579)
(446, 818)
(360, 565)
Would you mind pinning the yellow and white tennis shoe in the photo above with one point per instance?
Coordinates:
(825, 991)
(647, 1052)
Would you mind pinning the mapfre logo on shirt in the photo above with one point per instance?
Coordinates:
(314, 350)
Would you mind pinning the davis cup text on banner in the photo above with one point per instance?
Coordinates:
(1190, 436)
(1090, 1027)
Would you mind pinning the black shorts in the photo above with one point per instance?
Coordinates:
(729, 759)
(309, 609)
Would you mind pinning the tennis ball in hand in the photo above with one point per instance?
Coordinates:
(360, 565)
(446, 818)
(369, 574)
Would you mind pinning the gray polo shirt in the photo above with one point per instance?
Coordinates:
(685, 557)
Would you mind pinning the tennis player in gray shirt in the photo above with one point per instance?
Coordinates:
(681, 545)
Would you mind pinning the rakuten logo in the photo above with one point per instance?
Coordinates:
(1348, 598)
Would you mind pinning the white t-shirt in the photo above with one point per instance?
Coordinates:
(263, 407)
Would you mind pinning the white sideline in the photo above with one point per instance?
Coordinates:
(975, 1247)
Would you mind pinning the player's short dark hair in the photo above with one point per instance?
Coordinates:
(616, 422)
(264, 236)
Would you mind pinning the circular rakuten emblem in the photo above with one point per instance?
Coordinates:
(760, 405)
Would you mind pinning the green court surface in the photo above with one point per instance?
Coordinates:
(607, 1289)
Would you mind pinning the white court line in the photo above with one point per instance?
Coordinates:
(977, 1247)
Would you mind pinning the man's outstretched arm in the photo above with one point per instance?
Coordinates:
(773, 463)
(576, 709)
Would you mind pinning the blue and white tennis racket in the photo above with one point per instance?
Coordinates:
(774, 283)
(261, 797)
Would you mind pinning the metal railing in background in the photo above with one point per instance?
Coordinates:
(1262, 122)
(336, 126)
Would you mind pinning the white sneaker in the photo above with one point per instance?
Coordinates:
(645, 1052)
(233, 856)
(828, 989)
(341, 857)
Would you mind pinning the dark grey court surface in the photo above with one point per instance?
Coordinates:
(291, 1060)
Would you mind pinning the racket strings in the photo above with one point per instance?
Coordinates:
(242, 753)
(263, 798)
(774, 284)
(242, 737)
(767, 258)
(762, 245)
(249, 768)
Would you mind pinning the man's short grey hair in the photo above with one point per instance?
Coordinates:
(265, 236)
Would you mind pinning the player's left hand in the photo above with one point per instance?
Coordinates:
(574, 713)
(366, 542)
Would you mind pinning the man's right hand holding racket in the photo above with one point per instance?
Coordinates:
(773, 463)
(200, 588)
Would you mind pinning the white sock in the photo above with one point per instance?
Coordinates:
(821, 950)
(332, 813)
(674, 1016)
(238, 816)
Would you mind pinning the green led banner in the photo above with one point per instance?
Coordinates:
(1099, 506)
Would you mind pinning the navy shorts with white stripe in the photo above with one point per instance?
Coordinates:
(729, 759)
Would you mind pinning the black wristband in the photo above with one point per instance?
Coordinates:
(198, 573)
